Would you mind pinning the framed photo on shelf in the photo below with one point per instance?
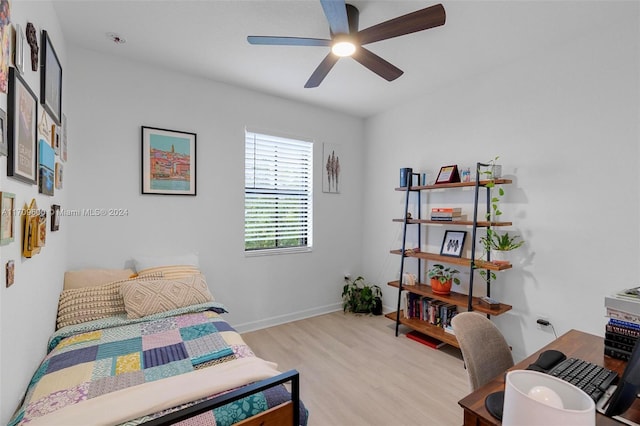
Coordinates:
(448, 174)
(22, 130)
(50, 80)
(7, 217)
(168, 162)
(453, 243)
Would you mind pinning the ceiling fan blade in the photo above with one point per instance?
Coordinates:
(288, 41)
(336, 13)
(376, 64)
(321, 72)
(419, 20)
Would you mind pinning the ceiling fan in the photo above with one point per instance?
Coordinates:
(347, 40)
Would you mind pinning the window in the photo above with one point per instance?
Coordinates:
(277, 194)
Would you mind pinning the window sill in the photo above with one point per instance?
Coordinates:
(277, 251)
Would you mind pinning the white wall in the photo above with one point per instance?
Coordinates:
(565, 125)
(111, 98)
(28, 308)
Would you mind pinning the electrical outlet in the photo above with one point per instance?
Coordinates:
(542, 322)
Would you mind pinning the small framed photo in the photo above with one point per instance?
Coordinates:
(453, 243)
(7, 217)
(10, 277)
(50, 79)
(168, 162)
(448, 174)
(55, 217)
(18, 54)
(22, 130)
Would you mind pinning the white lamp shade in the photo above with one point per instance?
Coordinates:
(523, 410)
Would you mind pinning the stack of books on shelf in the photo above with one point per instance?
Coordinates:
(447, 214)
(435, 312)
(623, 328)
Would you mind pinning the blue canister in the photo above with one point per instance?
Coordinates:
(405, 173)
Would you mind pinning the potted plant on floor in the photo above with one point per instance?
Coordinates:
(361, 298)
(442, 277)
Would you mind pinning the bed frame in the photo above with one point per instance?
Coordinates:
(285, 413)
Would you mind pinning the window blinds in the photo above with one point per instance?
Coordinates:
(278, 192)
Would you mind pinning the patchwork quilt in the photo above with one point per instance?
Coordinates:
(93, 359)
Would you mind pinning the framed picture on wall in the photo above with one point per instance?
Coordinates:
(4, 145)
(168, 162)
(7, 217)
(22, 130)
(50, 80)
(331, 168)
(55, 217)
(18, 49)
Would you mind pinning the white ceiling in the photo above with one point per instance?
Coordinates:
(207, 38)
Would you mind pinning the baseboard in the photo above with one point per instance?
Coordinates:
(283, 319)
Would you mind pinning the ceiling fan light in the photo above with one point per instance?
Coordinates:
(343, 48)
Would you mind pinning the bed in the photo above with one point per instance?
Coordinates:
(153, 348)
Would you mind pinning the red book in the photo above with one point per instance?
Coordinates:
(425, 340)
(446, 209)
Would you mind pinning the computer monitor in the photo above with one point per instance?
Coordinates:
(628, 386)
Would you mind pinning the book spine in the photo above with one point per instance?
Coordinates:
(617, 353)
(617, 345)
(623, 316)
(446, 219)
(615, 337)
(446, 209)
(622, 330)
(625, 324)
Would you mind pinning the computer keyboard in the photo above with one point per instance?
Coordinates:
(591, 378)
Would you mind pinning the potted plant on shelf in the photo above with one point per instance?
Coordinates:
(361, 298)
(498, 244)
(442, 277)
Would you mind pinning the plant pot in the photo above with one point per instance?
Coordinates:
(376, 309)
(499, 257)
(439, 287)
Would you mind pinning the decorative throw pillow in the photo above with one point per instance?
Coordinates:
(79, 305)
(151, 297)
(94, 277)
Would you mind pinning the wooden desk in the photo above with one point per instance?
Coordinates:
(574, 344)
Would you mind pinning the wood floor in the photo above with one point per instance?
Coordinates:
(354, 371)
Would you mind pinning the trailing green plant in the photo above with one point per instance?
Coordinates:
(443, 273)
(494, 198)
(360, 297)
(501, 242)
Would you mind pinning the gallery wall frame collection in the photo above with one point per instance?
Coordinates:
(21, 131)
(168, 161)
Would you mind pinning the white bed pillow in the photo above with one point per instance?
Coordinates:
(94, 277)
(147, 262)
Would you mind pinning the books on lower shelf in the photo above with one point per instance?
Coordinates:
(435, 312)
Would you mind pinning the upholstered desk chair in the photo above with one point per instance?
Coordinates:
(485, 352)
